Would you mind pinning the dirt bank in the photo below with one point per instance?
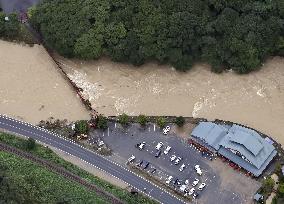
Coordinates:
(31, 87)
(256, 99)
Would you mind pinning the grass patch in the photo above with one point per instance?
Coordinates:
(31, 183)
(49, 155)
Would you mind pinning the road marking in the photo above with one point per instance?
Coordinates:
(154, 127)
(114, 125)
(107, 131)
(72, 141)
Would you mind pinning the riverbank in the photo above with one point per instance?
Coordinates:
(255, 100)
(32, 88)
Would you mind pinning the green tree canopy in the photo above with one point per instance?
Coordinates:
(142, 120)
(123, 119)
(101, 122)
(180, 121)
(9, 28)
(161, 122)
(227, 34)
(268, 185)
(82, 127)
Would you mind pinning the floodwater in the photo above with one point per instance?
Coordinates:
(256, 99)
(32, 88)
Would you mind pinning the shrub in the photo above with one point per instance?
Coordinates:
(280, 190)
(142, 120)
(82, 127)
(268, 185)
(30, 144)
(161, 122)
(123, 119)
(101, 122)
(180, 121)
(278, 170)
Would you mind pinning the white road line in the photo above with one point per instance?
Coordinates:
(97, 155)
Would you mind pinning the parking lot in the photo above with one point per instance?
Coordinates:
(223, 184)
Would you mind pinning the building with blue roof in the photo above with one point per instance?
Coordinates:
(243, 146)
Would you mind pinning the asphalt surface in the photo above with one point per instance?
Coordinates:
(10, 6)
(92, 158)
(122, 141)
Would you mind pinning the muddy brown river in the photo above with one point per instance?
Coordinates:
(256, 99)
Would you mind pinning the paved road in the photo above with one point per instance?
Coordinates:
(94, 159)
(9, 6)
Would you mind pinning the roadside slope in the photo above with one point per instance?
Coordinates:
(59, 170)
(31, 183)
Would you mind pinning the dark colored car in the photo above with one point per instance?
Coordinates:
(145, 164)
(195, 195)
(158, 153)
(139, 163)
(177, 182)
(153, 170)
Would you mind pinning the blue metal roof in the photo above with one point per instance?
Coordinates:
(250, 143)
(256, 152)
(252, 146)
(244, 164)
(210, 133)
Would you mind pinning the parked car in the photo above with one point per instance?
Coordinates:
(169, 179)
(141, 145)
(166, 130)
(139, 163)
(153, 170)
(167, 150)
(201, 186)
(177, 160)
(186, 182)
(158, 153)
(159, 145)
(177, 182)
(181, 168)
(173, 157)
(198, 170)
(191, 191)
(195, 182)
(131, 159)
(195, 195)
(183, 188)
(145, 164)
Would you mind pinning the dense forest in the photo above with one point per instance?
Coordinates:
(9, 29)
(237, 34)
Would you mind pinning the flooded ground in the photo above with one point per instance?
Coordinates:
(256, 100)
(31, 87)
